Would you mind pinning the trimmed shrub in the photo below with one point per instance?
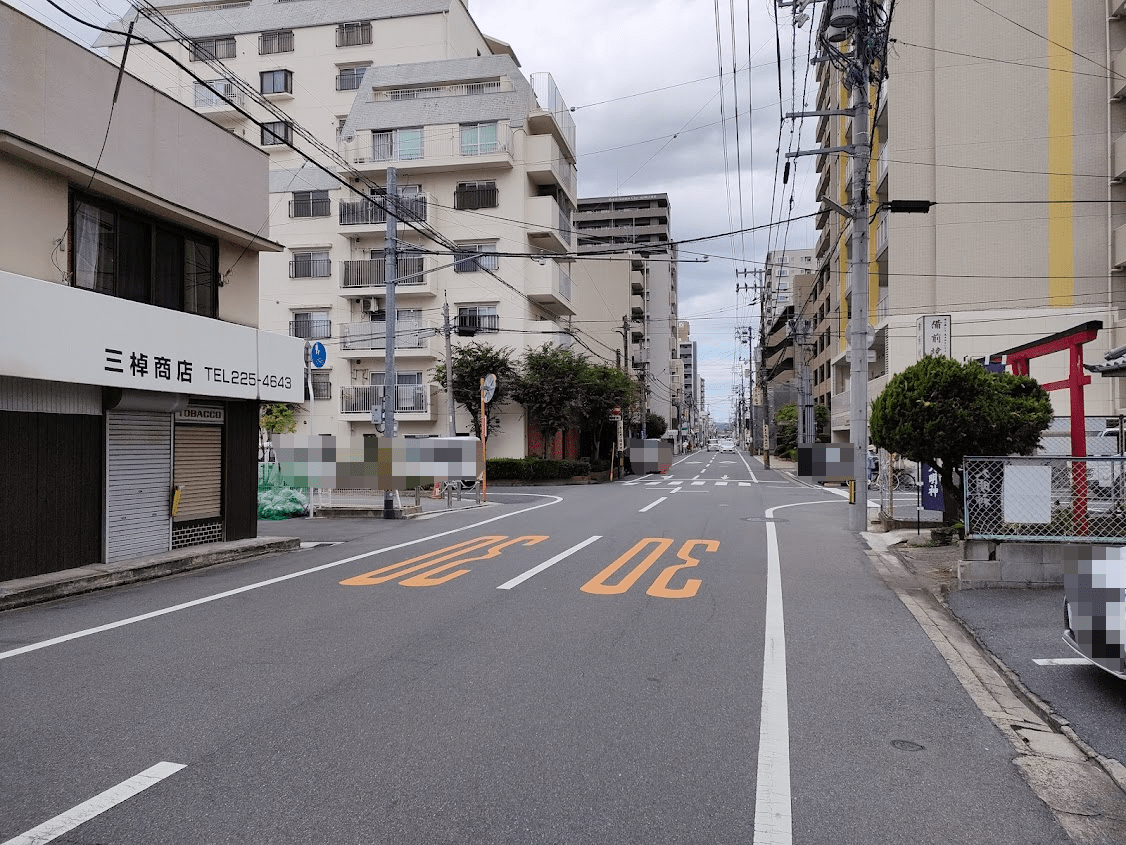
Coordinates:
(508, 469)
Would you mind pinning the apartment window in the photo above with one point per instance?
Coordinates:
(309, 204)
(411, 391)
(310, 265)
(276, 82)
(477, 318)
(470, 195)
(275, 42)
(204, 49)
(397, 145)
(353, 34)
(478, 139)
(349, 78)
(321, 382)
(119, 252)
(277, 132)
(470, 258)
(310, 325)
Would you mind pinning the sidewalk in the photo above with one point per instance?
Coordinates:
(21, 592)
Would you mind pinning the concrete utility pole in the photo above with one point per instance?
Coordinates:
(390, 388)
(452, 430)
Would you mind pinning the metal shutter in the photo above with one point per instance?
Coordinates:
(198, 469)
(138, 484)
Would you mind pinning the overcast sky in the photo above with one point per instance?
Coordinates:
(608, 60)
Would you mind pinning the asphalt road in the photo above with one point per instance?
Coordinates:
(704, 657)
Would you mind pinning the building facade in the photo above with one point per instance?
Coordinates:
(484, 163)
(1023, 240)
(132, 370)
(642, 224)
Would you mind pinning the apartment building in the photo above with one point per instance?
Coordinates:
(131, 368)
(641, 224)
(484, 164)
(1026, 238)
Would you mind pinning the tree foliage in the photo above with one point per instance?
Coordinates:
(940, 411)
(550, 388)
(786, 426)
(655, 425)
(602, 389)
(278, 419)
(470, 364)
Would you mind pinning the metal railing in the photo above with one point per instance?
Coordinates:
(372, 272)
(353, 34)
(409, 398)
(548, 96)
(312, 207)
(486, 323)
(275, 42)
(373, 212)
(310, 329)
(372, 334)
(1046, 499)
(310, 268)
(478, 197)
(881, 231)
(322, 387)
(210, 95)
(564, 283)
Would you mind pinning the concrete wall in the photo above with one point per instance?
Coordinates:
(987, 563)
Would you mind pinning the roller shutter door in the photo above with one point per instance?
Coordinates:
(138, 484)
(198, 470)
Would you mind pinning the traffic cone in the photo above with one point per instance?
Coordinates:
(434, 494)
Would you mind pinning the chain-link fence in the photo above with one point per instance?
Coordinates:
(1050, 499)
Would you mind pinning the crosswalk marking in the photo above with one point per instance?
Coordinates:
(721, 484)
(698, 483)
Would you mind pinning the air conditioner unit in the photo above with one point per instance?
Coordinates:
(367, 303)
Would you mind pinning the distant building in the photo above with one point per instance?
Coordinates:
(131, 369)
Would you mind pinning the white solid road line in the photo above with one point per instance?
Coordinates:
(227, 593)
(754, 478)
(650, 507)
(536, 570)
(68, 821)
(1062, 661)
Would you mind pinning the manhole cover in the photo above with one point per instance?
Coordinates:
(907, 745)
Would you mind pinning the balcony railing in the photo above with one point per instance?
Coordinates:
(882, 232)
(310, 329)
(372, 272)
(211, 94)
(882, 163)
(372, 334)
(437, 142)
(353, 34)
(564, 283)
(315, 207)
(409, 398)
(275, 42)
(549, 98)
(310, 268)
(322, 386)
(486, 323)
(373, 213)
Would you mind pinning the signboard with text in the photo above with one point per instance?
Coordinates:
(932, 335)
(103, 340)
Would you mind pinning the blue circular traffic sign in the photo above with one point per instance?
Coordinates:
(319, 355)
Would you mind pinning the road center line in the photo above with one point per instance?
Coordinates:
(650, 507)
(773, 808)
(227, 593)
(65, 822)
(536, 570)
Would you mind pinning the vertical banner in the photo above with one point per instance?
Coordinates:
(932, 488)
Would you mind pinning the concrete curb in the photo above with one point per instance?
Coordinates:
(21, 592)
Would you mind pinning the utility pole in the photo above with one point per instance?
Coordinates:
(390, 387)
(451, 430)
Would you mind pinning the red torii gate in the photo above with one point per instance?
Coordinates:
(1070, 340)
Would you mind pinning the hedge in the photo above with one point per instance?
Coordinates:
(529, 469)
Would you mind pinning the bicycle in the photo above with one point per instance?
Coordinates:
(902, 480)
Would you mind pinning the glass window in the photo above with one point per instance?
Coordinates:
(352, 34)
(470, 258)
(479, 139)
(204, 49)
(309, 204)
(310, 265)
(275, 42)
(397, 145)
(92, 252)
(471, 195)
(276, 132)
(349, 78)
(276, 82)
(477, 318)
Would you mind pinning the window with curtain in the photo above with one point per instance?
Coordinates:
(478, 139)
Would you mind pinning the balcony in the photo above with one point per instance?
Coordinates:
(549, 226)
(553, 117)
(550, 285)
(310, 329)
(881, 233)
(368, 339)
(438, 148)
(841, 408)
(548, 166)
(1118, 82)
(211, 98)
(882, 165)
(373, 212)
(412, 402)
(368, 277)
(1120, 247)
(637, 287)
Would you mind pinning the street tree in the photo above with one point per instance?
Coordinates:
(603, 388)
(278, 418)
(786, 426)
(655, 425)
(470, 364)
(549, 387)
(940, 411)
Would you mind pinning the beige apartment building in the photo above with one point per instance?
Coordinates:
(1016, 134)
(641, 224)
(484, 160)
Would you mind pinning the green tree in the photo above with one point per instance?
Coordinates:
(786, 427)
(549, 388)
(655, 425)
(940, 411)
(602, 389)
(470, 364)
(278, 419)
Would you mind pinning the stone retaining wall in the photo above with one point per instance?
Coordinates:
(989, 563)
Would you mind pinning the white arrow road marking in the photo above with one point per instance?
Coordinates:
(52, 829)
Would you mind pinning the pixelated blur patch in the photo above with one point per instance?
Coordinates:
(378, 463)
(1094, 583)
(827, 462)
(650, 455)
